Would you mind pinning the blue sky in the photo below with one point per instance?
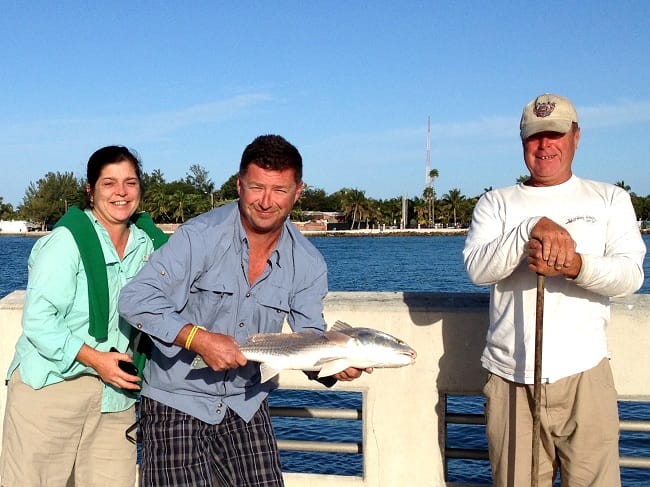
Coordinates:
(350, 83)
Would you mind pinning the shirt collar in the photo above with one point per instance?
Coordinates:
(240, 241)
(135, 234)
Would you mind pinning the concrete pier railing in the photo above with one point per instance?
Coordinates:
(402, 411)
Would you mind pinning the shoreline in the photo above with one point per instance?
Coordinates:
(370, 232)
(397, 232)
(393, 232)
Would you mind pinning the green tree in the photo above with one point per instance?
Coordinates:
(353, 204)
(390, 211)
(199, 178)
(422, 209)
(6, 210)
(315, 199)
(228, 190)
(155, 198)
(454, 201)
(369, 212)
(523, 178)
(621, 184)
(149, 181)
(157, 203)
(643, 211)
(46, 200)
(178, 202)
(430, 196)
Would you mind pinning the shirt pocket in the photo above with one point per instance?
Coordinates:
(274, 306)
(212, 302)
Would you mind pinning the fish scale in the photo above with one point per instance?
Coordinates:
(330, 352)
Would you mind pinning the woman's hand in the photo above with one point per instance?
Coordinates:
(106, 364)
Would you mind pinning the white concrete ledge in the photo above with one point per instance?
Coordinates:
(401, 407)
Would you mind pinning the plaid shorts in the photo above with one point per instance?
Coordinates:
(179, 450)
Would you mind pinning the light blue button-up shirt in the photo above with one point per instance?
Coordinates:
(200, 276)
(55, 313)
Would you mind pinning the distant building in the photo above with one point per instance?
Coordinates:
(328, 216)
(16, 226)
(322, 221)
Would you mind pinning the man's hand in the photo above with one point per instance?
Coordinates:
(351, 373)
(552, 251)
(220, 352)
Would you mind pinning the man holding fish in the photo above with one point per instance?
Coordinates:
(232, 272)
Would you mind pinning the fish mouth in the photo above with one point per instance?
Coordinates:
(410, 355)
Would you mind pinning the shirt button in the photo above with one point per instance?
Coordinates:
(162, 273)
(218, 411)
(139, 326)
(241, 325)
(248, 295)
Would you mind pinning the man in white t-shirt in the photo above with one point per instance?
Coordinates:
(583, 236)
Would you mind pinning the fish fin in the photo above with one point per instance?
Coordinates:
(340, 325)
(268, 372)
(334, 367)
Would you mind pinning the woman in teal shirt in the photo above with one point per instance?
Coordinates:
(69, 402)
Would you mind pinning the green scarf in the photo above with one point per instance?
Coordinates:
(90, 249)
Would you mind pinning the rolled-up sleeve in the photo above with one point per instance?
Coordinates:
(152, 301)
(307, 304)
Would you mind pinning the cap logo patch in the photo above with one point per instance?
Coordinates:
(543, 110)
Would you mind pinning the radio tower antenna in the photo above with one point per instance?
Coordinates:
(427, 167)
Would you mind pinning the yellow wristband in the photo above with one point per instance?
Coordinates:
(190, 336)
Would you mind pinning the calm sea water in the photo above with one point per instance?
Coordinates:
(386, 263)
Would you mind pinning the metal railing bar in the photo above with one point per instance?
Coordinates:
(466, 454)
(320, 446)
(459, 418)
(635, 425)
(635, 462)
(320, 413)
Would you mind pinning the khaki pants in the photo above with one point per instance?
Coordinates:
(579, 430)
(57, 434)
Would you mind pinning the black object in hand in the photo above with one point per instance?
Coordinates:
(127, 367)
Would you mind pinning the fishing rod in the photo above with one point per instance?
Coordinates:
(537, 384)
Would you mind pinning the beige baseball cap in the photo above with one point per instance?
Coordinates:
(547, 113)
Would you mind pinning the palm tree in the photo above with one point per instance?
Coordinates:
(427, 196)
(177, 201)
(369, 212)
(433, 174)
(621, 184)
(353, 200)
(523, 178)
(422, 208)
(454, 199)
